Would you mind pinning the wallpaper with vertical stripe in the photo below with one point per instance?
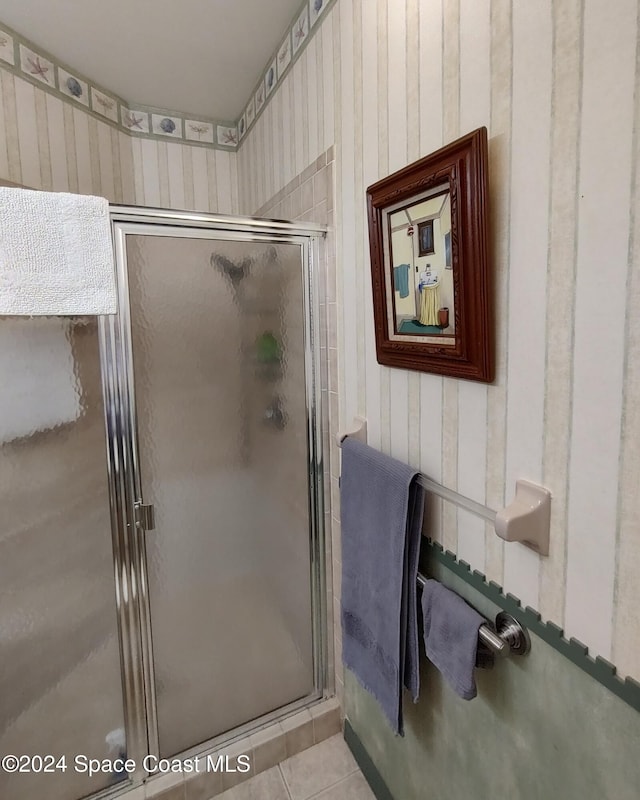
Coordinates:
(46, 143)
(386, 82)
(556, 84)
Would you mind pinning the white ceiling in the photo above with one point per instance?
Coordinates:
(201, 57)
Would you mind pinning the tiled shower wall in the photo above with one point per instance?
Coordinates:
(309, 197)
(46, 143)
(556, 84)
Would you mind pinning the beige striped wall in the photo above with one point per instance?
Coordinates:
(46, 143)
(386, 82)
(555, 82)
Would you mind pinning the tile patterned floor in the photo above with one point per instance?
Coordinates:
(326, 771)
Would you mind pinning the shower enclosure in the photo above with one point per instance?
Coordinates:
(161, 542)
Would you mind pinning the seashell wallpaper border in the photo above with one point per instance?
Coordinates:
(19, 55)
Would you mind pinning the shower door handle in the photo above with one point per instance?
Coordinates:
(145, 516)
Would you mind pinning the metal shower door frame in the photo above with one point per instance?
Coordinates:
(125, 489)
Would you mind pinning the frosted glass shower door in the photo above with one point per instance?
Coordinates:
(218, 347)
(60, 682)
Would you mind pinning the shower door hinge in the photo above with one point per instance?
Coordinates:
(145, 516)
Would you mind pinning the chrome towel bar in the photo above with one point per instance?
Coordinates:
(509, 637)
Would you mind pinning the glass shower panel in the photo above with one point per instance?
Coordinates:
(60, 684)
(218, 338)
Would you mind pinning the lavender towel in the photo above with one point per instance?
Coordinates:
(451, 636)
(381, 513)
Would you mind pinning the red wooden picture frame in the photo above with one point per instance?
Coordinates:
(461, 169)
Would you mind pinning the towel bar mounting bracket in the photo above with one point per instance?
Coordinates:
(511, 631)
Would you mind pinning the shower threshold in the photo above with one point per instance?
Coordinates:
(261, 744)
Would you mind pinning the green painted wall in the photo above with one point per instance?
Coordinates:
(539, 729)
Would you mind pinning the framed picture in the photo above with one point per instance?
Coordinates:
(428, 238)
(425, 238)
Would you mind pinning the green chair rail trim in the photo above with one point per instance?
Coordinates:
(599, 668)
(367, 767)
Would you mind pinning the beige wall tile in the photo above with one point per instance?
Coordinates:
(203, 786)
(298, 730)
(269, 748)
(166, 787)
(326, 720)
(175, 793)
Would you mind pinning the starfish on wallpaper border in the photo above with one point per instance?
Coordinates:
(229, 137)
(300, 32)
(132, 121)
(38, 68)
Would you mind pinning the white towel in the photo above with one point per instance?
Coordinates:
(56, 255)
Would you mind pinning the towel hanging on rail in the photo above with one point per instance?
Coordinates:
(381, 514)
(401, 279)
(451, 636)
